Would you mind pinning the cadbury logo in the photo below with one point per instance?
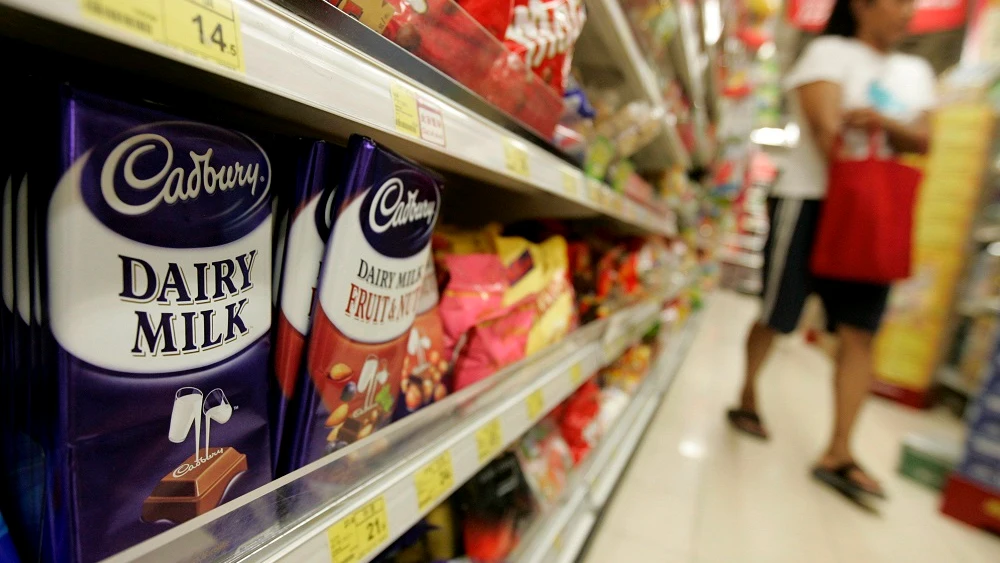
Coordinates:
(185, 468)
(393, 206)
(173, 183)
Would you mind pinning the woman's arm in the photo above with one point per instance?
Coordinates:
(904, 137)
(820, 103)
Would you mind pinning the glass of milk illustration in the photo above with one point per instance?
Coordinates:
(186, 413)
(216, 408)
(366, 381)
(417, 345)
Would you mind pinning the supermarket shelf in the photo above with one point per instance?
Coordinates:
(575, 537)
(405, 470)
(297, 72)
(601, 489)
(547, 533)
(979, 307)
(552, 537)
(746, 259)
(751, 242)
(754, 224)
(603, 476)
(611, 24)
(986, 234)
(685, 48)
(949, 378)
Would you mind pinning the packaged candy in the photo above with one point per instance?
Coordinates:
(373, 13)
(426, 367)
(436, 30)
(546, 461)
(614, 401)
(578, 420)
(475, 293)
(628, 371)
(158, 242)
(367, 298)
(319, 173)
(507, 298)
(494, 15)
(494, 501)
(555, 311)
(494, 343)
(543, 34)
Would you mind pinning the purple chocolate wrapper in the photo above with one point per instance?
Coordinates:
(386, 209)
(7, 552)
(159, 297)
(318, 172)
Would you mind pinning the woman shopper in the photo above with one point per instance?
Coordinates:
(848, 87)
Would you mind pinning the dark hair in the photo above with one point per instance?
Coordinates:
(842, 21)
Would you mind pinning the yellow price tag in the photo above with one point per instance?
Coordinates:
(434, 480)
(515, 157)
(360, 533)
(594, 190)
(404, 108)
(535, 403)
(617, 202)
(557, 542)
(992, 507)
(605, 197)
(570, 183)
(610, 354)
(489, 439)
(207, 28)
(576, 375)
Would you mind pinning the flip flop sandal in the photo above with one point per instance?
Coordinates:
(739, 418)
(839, 478)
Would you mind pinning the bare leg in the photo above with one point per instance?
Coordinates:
(758, 345)
(852, 383)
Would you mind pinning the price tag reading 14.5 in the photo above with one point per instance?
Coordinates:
(360, 533)
(207, 28)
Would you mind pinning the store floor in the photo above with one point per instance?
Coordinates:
(696, 492)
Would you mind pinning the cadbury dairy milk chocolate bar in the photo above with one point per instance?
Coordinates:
(159, 300)
(384, 214)
(318, 175)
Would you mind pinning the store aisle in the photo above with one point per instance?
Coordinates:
(698, 493)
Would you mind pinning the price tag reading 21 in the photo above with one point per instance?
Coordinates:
(360, 533)
(207, 28)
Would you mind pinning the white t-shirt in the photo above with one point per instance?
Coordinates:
(898, 86)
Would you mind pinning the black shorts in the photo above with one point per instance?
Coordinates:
(788, 281)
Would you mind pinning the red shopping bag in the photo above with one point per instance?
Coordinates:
(866, 226)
